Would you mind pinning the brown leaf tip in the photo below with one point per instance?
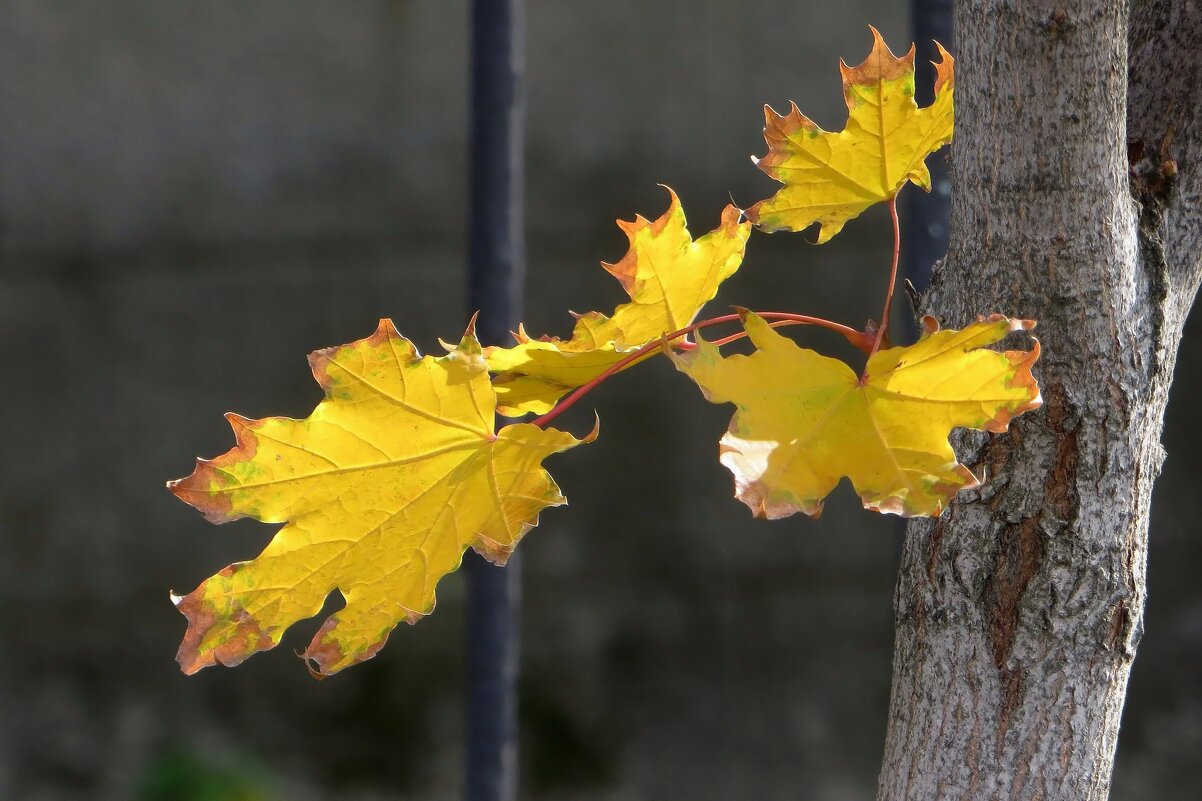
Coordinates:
(469, 343)
(778, 129)
(1022, 361)
(321, 359)
(880, 65)
(203, 488)
(385, 332)
(591, 436)
(626, 269)
(324, 656)
(248, 638)
(1016, 323)
(731, 220)
(495, 552)
(470, 331)
(945, 69)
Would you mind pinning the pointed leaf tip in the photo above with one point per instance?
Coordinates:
(804, 421)
(380, 490)
(668, 275)
(830, 178)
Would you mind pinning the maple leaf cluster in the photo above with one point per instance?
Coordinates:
(401, 467)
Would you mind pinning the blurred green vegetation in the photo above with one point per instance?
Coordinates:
(180, 775)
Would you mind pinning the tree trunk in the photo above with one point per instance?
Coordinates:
(1018, 612)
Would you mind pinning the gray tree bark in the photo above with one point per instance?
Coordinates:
(1077, 202)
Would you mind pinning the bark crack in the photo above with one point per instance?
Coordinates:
(1060, 488)
(1016, 561)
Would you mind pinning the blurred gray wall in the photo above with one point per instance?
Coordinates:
(192, 197)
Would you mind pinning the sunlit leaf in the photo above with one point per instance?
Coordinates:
(382, 488)
(804, 421)
(668, 277)
(829, 178)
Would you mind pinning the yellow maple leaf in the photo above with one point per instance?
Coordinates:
(394, 474)
(831, 178)
(804, 421)
(668, 277)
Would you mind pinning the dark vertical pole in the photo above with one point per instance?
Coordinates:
(925, 224)
(497, 271)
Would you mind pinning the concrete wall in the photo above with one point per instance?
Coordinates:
(194, 196)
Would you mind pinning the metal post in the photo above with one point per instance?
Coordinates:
(925, 220)
(497, 272)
